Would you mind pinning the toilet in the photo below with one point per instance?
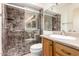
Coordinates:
(36, 49)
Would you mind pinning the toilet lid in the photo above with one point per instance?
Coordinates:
(36, 46)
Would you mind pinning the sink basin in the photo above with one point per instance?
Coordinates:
(63, 37)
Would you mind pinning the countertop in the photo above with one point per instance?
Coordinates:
(71, 43)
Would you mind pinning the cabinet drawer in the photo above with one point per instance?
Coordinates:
(63, 50)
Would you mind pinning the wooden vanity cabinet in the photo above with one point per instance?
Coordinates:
(51, 48)
(63, 50)
(47, 47)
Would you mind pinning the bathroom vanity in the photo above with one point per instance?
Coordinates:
(59, 47)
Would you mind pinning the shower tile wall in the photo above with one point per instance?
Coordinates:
(14, 22)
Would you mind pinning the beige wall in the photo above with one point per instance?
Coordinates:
(76, 19)
(0, 32)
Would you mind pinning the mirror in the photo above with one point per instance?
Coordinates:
(52, 22)
(47, 23)
(69, 20)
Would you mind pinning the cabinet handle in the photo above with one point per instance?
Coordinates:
(66, 52)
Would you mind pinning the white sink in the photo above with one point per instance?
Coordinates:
(63, 37)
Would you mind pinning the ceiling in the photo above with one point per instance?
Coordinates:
(35, 6)
(38, 6)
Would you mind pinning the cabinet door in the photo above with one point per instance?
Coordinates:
(62, 50)
(47, 47)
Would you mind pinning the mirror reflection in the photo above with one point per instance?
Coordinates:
(69, 18)
(52, 22)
